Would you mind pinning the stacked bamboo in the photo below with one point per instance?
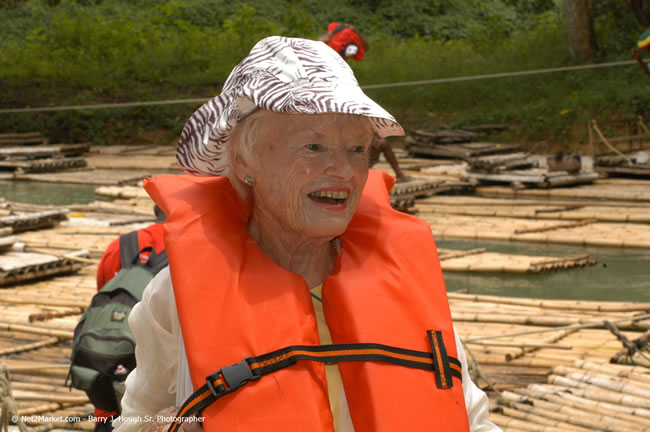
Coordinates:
(42, 158)
(478, 260)
(597, 191)
(548, 362)
(517, 342)
(585, 396)
(122, 192)
(19, 262)
(529, 209)
(87, 176)
(11, 139)
(35, 332)
(153, 158)
(539, 231)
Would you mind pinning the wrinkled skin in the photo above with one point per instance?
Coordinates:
(295, 157)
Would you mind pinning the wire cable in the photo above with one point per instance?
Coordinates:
(365, 87)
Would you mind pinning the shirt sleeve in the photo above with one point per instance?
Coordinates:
(151, 386)
(110, 264)
(476, 401)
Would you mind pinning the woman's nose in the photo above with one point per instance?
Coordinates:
(340, 164)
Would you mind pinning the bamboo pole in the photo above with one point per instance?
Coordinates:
(603, 381)
(47, 388)
(62, 256)
(24, 395)
(36, 330)
(521, 345)
(39, 409)
(548, 342)
(598, 393)
(41, 300)
(587, 405)
(568, 414)
(616, 370)
(593, 324)
(30, 346)
(447, 254)
(515, 424)
(550, 304)
(550, 321)
(536, 422)
(44, 316)
(561, 421)
(555, 227)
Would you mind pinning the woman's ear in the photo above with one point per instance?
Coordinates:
(239, 166)
(240, 170)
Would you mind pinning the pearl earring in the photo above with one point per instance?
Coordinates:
(250, 181)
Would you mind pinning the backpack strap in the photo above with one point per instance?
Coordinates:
(230, 378)
(130, 253)
(129, 249)
(157, 261)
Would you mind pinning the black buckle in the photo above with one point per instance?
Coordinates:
(235, 376)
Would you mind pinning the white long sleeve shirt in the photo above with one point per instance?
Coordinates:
(162, 377)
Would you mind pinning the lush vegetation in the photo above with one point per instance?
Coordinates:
(91, 51)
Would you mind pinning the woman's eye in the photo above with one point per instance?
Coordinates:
(313, 147)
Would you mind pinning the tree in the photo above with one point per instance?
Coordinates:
(580, 26)
(641, 11)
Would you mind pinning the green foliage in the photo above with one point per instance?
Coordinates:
(64, 52)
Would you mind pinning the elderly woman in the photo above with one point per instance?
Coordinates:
(301, 300)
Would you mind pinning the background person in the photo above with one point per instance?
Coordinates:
(642, 44)
(109, 265)
(348, 42)
(280, 236)
(345, 40)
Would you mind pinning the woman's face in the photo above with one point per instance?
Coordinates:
(310, 171)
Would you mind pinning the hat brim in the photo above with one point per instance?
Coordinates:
(208, 134)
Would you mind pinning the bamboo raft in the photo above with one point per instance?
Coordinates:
(520, 346)
(29, 138)
(630, 164)
(509, 208)
(597, 191)
(19, 267)
(460, 151)
(87, 176)
(33, 220)
(479, 260)
(585, 233)
(43, 165)
(534, 177)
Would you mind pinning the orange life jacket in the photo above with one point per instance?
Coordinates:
(233, 301)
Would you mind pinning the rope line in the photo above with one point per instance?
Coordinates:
(8, 409)
(365, 87)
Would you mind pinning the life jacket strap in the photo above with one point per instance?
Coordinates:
(230, 378)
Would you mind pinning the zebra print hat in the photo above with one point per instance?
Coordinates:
(280, 74)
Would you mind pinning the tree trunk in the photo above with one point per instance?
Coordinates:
(641, 11)
(580, 26)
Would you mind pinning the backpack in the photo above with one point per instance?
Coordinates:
(103, 348)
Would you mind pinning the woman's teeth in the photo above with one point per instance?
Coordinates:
(330, 194)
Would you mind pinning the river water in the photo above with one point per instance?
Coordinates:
(620, 274)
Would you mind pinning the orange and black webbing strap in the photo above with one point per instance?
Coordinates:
(230, 378)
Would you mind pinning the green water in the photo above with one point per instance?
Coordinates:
(46, 193)
(620, 274)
